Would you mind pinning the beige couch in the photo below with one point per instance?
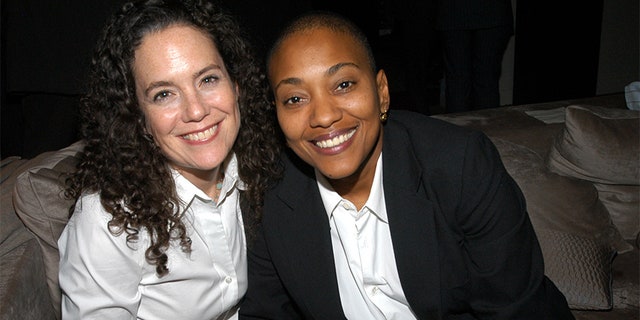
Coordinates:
(578, 167)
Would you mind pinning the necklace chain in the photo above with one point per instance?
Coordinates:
(218, 187)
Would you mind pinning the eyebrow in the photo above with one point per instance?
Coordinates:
(157, 84)
(337, 67)
(331, 71)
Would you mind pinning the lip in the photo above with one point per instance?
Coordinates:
(201, 136)
(334, 142)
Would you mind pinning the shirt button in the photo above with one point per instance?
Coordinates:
(228, 279)
(374, 290)
(345, 205)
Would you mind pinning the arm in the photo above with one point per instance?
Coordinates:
(502, 251)
(266, 297)
(99, 274)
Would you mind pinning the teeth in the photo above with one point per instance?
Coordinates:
(330, 143)
(200, 136)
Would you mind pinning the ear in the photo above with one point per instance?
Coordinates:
(383, 91)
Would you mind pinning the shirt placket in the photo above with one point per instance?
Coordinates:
(219, 250)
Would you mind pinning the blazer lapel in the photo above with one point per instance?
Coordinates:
(308, 243)
(412, 225)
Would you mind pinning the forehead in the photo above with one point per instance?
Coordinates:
(173, 48)
(317, 45)
(176, 37)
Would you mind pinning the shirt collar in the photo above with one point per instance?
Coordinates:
(375, 203)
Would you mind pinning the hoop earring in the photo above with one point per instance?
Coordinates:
(384, 116)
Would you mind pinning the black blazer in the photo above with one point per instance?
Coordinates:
(463, 242)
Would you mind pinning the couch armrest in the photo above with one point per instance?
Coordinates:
(23, 287)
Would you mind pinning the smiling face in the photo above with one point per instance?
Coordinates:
(188, 99)
(328, 102)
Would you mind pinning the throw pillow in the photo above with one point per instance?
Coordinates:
(623, 204)
(599, 145)
(602, 145)
(40, 203)
(581, 269)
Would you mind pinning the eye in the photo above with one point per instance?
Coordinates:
(344, 85)
(161, 96)
(210, 80)
(292, 100)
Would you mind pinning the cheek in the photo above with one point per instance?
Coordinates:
(224, 98)
(287, 124)
(160, 122)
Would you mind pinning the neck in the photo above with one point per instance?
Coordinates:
(357, 187)
(207, 181)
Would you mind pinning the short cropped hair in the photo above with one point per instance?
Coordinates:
(324, 19)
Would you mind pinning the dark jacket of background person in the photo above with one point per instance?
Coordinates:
(473, 14)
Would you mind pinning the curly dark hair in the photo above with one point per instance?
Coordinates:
(122, 162)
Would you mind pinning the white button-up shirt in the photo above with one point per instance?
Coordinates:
(368, 279)
(104, 277)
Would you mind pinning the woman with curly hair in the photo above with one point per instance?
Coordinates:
(179, 136)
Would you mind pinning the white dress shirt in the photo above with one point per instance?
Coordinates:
(368, 279)
(104, 277)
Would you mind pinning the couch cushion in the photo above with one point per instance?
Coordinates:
(623, 204)
(580, 268)
(602, 145)
(599, 144)
(567, 210)
(12, 231)
(39, 201)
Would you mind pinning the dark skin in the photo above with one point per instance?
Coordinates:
(328, 101)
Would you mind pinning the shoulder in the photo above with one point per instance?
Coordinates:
(90, 220)
(89, 210)
(88, 229)
(423, 124)
(428, 136)
(445, 155)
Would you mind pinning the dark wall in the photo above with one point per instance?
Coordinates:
(557, 50)
(46, 49)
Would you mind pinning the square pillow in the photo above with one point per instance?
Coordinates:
(602, 145)
(581, 269)
(39, 201)
(599, 145)
(576, 235)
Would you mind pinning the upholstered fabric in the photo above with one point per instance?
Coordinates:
(567, 209)
(602, 145)
(599, 145)
(581, 268)
(23, 291)
(12, 232)
(39, 201)
(623, 204)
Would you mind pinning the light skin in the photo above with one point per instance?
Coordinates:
(328, 102)
(188, 100)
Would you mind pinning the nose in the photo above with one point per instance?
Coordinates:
(325, 111)
(195, 108)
